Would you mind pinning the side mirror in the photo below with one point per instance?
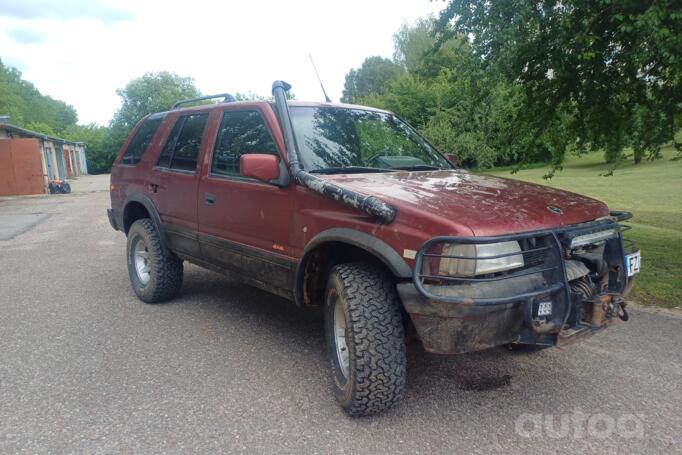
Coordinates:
(452, 158)
(259, 166)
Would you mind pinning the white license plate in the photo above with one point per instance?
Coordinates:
(632, 262)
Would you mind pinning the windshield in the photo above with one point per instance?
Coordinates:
(333, 139)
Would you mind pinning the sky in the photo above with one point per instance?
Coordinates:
(81, 51)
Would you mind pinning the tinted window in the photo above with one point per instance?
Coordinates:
(138, 144)
(182, 147)
(240, 132)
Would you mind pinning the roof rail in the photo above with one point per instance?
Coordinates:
(227, 98)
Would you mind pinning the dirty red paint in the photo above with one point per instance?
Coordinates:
(428, 203)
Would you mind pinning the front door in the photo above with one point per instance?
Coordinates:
(245, 225)
(174, 181)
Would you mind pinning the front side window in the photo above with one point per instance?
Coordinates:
(332, 139)
(183, 144)
(240, 133)
(140, 141)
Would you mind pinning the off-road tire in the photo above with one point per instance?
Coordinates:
(374, 336)
(165, 267)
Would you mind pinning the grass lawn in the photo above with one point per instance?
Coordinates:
(652, 191)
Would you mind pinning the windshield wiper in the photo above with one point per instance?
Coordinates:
(417, 167)
(348, 170)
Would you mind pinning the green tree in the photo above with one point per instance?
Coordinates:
(461, 108)
(41, 128)
(595, 74)
(249, 96)
(370, 79)
(253, 96)
(419, 52)
(94, 137)
(412, 42)
(153, 92)
(27, 106)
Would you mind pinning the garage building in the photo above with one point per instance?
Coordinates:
(28, 160)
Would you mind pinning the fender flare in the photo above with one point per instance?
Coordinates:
(151, 209)
(373, 245)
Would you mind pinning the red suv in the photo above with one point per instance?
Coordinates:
(350, 209)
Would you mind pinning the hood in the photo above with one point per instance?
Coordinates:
(486, 205)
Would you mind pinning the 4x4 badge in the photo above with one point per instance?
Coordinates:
(556, 210)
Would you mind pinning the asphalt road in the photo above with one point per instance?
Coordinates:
(87, 368)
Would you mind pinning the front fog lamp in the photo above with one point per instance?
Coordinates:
(457, 267)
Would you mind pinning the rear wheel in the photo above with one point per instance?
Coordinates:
(365, 339)
(155, 273)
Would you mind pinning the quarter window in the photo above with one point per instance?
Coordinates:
(183, 144)
(240, 132)
(140, 141)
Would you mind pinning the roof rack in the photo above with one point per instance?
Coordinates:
(227, 98)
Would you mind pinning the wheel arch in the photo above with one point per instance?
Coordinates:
(135, 207)
(340, 244)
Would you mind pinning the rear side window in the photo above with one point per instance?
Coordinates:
(167, 152)
(240, 132)
(183, 144)
(140, 141)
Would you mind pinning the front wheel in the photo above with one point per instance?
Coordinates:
(155, 273)
(365, 339)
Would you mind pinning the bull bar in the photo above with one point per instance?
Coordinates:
(554, 247)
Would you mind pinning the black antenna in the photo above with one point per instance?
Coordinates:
(326, 98)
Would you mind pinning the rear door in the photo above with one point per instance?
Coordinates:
(174, 182)
(244, 224)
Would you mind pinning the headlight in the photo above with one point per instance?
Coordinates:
(595, 237)
(472, 267)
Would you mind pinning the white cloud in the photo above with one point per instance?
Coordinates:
(68, 9)
(24, 35)
(226, 46)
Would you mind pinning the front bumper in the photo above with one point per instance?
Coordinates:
(452, 328)
(457, 315)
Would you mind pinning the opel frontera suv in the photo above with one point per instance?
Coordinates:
(350, 209)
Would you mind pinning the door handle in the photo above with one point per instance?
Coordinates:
(209, 199)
